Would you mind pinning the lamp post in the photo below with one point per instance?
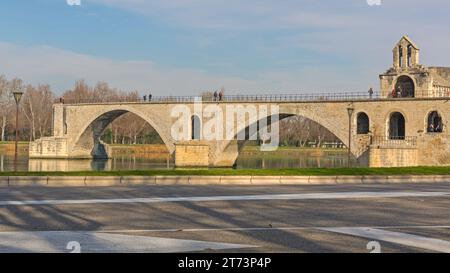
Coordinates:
(350, 111)
(17, 97)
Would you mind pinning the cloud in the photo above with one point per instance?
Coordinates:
(290, 14)
(73, 2)
(374, 2)
(236, 14)
(61, 68)
(306, 45)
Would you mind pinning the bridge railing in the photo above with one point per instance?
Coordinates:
(345, 96)
(394, 141)
(301, 97)
(232, 98)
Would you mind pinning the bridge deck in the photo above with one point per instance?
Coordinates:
(279, 98)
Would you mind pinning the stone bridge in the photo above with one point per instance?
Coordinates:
(383, 131)
(406, 125)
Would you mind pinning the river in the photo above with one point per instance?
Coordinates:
(145, 158)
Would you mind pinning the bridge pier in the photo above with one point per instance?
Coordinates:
(192, 154)
(49, 147)
(206, 154)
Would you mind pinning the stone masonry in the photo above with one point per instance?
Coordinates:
(395, 128)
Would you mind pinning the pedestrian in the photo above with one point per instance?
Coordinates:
(145, 98)
(221, 95)
(393, 93)
(215, 95)
(370, 92)
(150, 97)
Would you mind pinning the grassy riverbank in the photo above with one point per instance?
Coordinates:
(263, 172)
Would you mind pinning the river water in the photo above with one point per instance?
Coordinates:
(248, 159)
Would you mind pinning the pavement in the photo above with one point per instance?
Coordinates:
(253, 218)
(195, 180)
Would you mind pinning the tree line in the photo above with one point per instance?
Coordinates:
(35, 115)
(35, 112)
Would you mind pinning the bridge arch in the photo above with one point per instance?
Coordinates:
(227, 153)
(88, 136)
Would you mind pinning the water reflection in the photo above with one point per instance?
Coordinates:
(7, 163)
(293, 158)
(128, 162)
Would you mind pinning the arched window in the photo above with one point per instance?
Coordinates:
(404, 87)
(362, 124)
(434, 124)
(397, 126)
(195, 123)
(400, 56)
(409, 55)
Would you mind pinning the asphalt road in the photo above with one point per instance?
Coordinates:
(328, 218)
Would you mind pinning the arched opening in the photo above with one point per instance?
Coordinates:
(404, 88)
(434, 124)
(122, 140)
(409, 55)
(397, 126)
(362, 123)
(130, 129)
(195, 128)
(400, 56)
(303, 143)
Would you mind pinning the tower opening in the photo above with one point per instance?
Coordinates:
(404, 88)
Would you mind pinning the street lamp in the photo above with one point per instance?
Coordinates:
(350, 111)
(17, 97)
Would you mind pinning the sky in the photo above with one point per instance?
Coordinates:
(184, 47)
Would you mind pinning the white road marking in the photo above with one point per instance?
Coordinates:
(301, 196)
(56, 241)
(395, 237)
(258, 229)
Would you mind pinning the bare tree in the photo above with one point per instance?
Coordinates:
(299, 131)
(7, 101)
(37, 108)
(5, 105)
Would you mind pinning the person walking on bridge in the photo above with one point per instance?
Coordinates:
(393, 93)
(370, 92)
(221, 95)
(215, 95)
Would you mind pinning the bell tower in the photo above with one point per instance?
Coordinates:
(407, 78)
(406, 54)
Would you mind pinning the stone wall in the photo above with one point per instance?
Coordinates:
(434, 150)
(58, 120)
(441, 75)
(393, 157)
(192, 154)
(49, 147)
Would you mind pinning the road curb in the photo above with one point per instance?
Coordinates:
(99, 181)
